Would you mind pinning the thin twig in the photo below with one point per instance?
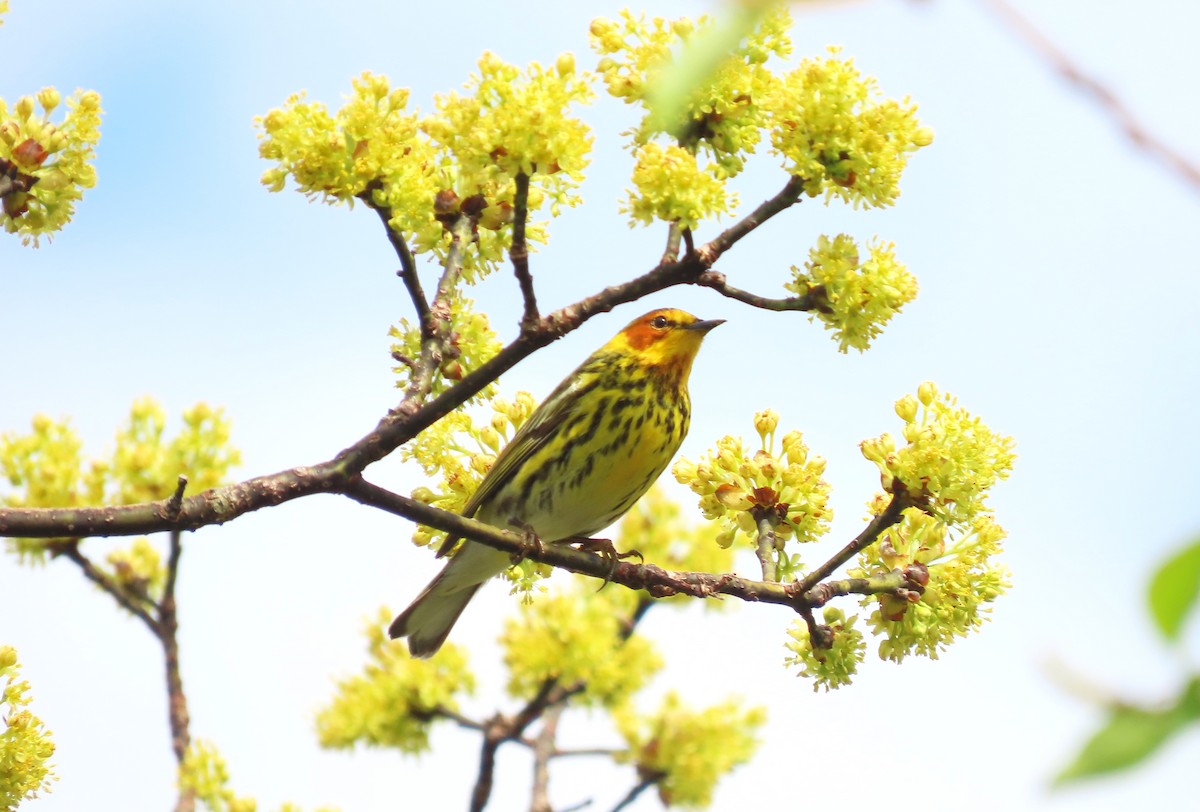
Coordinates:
(411, 417)
(519, 253)
(671, 252)
(177, 709)
(1124, 118)
(765, 549)
(891, 515)
(408, 265)
(101, 579)
(787, 197)
(543, 751)
(813, 300)
(607, 752)
(637, 790)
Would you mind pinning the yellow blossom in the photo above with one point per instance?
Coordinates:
(854, 299)
(834, 133)
(737, 485)
(575, 637)
(46, 165)
(833, 667)
(690, 749)
(671, 186)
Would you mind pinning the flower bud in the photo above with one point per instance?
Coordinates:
(565, 64)
(733, 497)
(906, 408)
(49, 98)
(24, 107)
(922, 137)
(490, 438)
(765, 423)
(424, 495)
(927, 393)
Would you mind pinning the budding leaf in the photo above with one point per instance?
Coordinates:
(1130, 736)
(1174, 589)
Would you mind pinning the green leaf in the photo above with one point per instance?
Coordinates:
(1130, 736)
(700, 60)
(1174, 589)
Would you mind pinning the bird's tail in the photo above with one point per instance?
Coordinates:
(429, 619)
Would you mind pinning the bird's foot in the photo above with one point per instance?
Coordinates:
(530, 543)
(605, 549)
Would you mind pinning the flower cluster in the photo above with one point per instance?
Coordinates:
(830, 667)
(428, 170)
(472, 342)
(205, 773)
(46, 467)
(393, 702)
(462, 451)
(25, 745)
(576, 636)
(739, 488)
(517, 122)
(690, 749)
(722, 112)
(962, 580)
(854, 299)
(670, 186)
(949, 461)
(45, 166)
(835, 134)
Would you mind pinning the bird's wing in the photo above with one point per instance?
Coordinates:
(546, 419)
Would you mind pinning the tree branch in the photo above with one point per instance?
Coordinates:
(813, 300)
(891, 515)
(543, 751)
(786, 197)
(637, 790)
(412, 416)
(765, 549)
(519, 252)
(1134, 130)
(177, 709)
(656, 581)
(408, 265)
(71, 552)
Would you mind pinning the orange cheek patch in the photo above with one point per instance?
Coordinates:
(641, 336)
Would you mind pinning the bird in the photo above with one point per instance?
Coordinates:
(580, 461)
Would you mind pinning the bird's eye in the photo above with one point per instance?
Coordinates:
(659, 322)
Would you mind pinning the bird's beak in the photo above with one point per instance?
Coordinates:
(704, 326)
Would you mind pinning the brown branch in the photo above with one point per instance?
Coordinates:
(71, 552)
(519, 252)
(543, 751)
(671, 252)
(1124, 118)
(765, 549)
(891, 515)
(410, 418)
(408, 265)
(788, 196)
(177, 709)
(813, 300)
(656, 581)
(638, 789)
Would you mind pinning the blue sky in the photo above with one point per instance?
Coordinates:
(1057, 301)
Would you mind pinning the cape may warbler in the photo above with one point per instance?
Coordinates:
(581, 460)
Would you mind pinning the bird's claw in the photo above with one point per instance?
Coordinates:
(530, 543)
(605, 549)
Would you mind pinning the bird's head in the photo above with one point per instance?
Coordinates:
(665, 337)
